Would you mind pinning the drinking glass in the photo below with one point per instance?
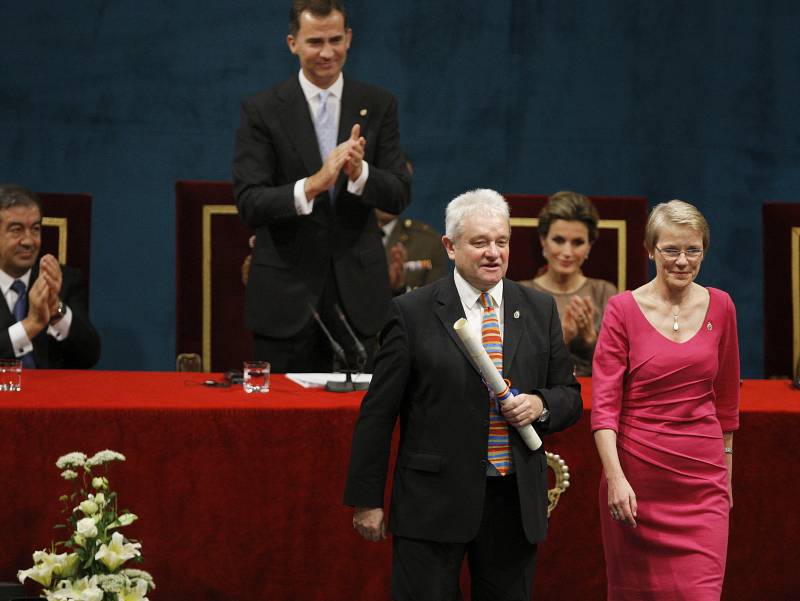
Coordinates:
(10, 375)
(256, 376)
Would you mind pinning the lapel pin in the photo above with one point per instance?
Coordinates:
(516, 314)
(363, 112)
(709, 327)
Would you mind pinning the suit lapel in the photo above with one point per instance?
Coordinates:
(449, 310)
(6, 317)
(298, 124)
(513, 323)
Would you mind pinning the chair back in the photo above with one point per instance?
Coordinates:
(211, 247)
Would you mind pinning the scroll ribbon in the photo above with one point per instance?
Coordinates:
(492, 377)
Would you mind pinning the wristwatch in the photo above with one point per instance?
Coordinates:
(60, 312)
(544, 416)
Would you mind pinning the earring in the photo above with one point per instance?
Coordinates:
(544, 253)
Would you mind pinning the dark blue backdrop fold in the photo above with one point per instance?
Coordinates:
(694, 100)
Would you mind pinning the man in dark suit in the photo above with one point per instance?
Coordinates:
(44, 319)
(465, 482)
(314, 156)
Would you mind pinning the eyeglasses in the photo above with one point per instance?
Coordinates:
(672, 254)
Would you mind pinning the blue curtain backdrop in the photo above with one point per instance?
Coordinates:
(690, 100)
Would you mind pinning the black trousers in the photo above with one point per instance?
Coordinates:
(501, 561)
(310, 350)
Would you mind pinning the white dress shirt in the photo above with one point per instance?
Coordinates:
(473, 309)
(16, 332)
(305, 205)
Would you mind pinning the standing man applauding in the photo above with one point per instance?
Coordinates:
(44, 320)
(315, 155)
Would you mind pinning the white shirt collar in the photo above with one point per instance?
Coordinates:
(312, 91)
(469, 294)
(6, 280)
(388, 229)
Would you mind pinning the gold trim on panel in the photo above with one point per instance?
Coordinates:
(61, 224)
(795, 300)
(604, 224)
(208, 212)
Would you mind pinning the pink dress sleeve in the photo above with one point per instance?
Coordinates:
(609, 366)
(726, 383)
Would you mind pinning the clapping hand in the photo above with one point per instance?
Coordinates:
(397, 266)
(355, 156)
(579, 320)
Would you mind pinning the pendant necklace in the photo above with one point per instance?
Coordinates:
(675, 321)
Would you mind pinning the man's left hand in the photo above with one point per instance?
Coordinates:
(50, 270)
(355, 155)
(522, 410)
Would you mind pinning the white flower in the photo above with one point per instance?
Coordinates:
(106, 456)
(68, 475)
(99, 482)
(67, 564)
(86, 527)
(85, 589)
(47, 565)
(99, 498)
(76, 459)
(118, 552)
(135, 574)
(40, 573)
(88, 507)
(112, 583)
(138, 592)
(126, 519)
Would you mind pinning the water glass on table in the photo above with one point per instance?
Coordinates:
(256, 376)
(10, 375)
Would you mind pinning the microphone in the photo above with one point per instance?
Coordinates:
(335, 346)
(333, 386)
(362, 352)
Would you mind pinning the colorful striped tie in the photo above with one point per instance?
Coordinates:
(499, 450)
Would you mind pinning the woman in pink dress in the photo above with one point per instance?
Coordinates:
(665, 403)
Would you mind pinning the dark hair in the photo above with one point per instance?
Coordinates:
(318, 8)
(14, 195)
(569, 206)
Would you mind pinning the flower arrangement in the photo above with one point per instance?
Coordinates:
(91, 566)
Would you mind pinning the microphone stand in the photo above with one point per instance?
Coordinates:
(332, 386)
(360, 350)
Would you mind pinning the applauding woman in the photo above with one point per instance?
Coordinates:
(567, 230)
(665, 402)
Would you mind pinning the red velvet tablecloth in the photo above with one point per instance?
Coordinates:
(239, 496)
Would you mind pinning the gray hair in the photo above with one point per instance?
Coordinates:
(14, 195)
(675, 213)
(483, 201)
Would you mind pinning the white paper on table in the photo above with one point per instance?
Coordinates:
(492, 377)
(318, 380)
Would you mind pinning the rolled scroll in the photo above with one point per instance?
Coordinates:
(493, 378)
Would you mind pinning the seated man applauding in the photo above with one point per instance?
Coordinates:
(44, 320)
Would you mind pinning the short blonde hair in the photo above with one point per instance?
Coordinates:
(675, 213)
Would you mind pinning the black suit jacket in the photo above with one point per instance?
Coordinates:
(424, 375)
(275, 146)
(80, 350)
